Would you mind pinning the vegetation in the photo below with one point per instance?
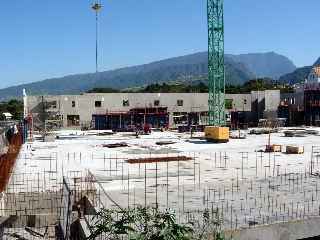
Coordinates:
(175, 88)
(103, 90)
(258, 85)
(151, 224)
(15, 107)
(253, 85)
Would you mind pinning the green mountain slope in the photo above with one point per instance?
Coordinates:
(189, 68)
(299, 75)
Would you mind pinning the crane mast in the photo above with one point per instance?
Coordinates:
(216, 71)
(217, 130)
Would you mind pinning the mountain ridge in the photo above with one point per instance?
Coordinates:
(188, 68)
(299, 75)
(269, 64)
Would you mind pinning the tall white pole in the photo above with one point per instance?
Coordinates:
(25, 103)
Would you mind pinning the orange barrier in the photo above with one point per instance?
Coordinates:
(8, 160)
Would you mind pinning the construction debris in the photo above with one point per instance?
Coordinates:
(273, 148)
(37, 233)
(238, 135)
(107, 133)
(162, 143)
(295, 133)
(259, 131)
(294, 150)
(300, 132)
(115, 145)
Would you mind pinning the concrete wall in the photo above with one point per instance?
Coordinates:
(272, 100)
(265, 104)
(257, 104)
(294, 230)
(240, 102)
(113, 102)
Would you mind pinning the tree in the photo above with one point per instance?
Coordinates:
(15, 107)
(103, 90)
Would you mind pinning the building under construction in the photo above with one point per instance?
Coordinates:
(302, 107)
(312, 98)
(122, 111)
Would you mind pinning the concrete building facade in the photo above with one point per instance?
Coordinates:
(78, 110)
(303, 105)
(292, 107)
(314, 76)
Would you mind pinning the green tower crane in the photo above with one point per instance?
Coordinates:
(216, 131)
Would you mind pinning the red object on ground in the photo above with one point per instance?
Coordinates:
(8, 160)
(146, 128)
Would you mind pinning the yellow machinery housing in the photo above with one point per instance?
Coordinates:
(217, 134)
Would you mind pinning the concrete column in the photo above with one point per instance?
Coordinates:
(171, 120)
(65, 120)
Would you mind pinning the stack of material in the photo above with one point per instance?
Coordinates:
(259, 131)
(312, 132)
(161, 143)
(294, 150)
(295, 133)
(105, 133)
(273, 148)
(115, 145)
(300, 132)
(238, 135)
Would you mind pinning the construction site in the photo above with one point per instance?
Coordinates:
(256, 164)
(57, 186)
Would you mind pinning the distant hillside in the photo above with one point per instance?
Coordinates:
(298, 76)
(189, 68)
(271, 65)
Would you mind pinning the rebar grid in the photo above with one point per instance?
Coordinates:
(252, 189)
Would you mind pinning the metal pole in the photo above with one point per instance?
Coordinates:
(97, 20)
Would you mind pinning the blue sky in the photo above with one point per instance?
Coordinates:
(44, 38)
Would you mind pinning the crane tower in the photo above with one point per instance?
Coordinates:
(216, 131)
